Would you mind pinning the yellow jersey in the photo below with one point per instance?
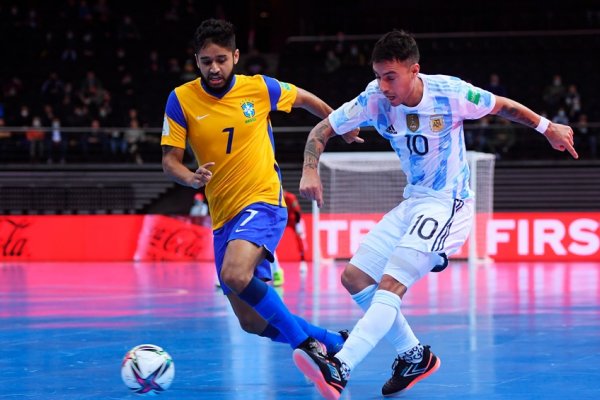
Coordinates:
(233, 130)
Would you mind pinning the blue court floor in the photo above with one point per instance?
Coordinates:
(522, 331)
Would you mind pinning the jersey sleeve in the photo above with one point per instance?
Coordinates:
(282, 95)
(350, 115)
(174, 131)
(475, 102)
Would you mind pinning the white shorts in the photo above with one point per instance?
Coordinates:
(427, 224)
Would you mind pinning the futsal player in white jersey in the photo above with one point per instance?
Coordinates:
(422, 117)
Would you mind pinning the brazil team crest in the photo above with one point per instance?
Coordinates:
(248, 110)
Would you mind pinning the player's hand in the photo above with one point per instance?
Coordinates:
(561, 138)
(202, 175)
(310, 186)
(352, 136)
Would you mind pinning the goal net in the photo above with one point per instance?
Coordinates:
(360, 187)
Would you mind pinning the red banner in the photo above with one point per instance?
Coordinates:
(564, 236)
(506, 237)
(544, 236)
(103, 238)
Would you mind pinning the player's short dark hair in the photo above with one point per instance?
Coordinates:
(217, 31)
(396, 45)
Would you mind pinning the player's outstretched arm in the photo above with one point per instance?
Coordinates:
(310, 183)
(312, 104)
(318, 107)
(560, 136)
(172, 163)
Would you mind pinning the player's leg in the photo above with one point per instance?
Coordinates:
(277, 272)
(237, 274)
(330, 375)
(382, 303)
(436, 228)
(252, 322)
(242, 256)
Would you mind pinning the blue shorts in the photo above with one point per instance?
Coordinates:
(259, 223)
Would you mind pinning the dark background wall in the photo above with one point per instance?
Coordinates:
(138, 52)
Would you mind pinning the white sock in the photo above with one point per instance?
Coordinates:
(400, 334)
(364, 297)
(371, 328)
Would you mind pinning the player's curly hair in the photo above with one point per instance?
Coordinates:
(396, 45)
(215, 31)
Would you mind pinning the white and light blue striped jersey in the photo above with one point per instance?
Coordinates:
(428, 138)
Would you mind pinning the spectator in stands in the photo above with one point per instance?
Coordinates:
(128, 31)
(495, 86)
(477, 134)
(53, 89)
(332, 62)
(355, 57)
(255, 63)
(35, 140)
(561, 116)
(95, 141)
(134, 136)
(69, 56)
(422, 117)
(242, 184)
(5, 140)
(573, 102)
(188, 73)
(80, 117)
(24, 118)
(554, 94)
(502, 139)
(55, 143)
(12, 91)
(586, 137)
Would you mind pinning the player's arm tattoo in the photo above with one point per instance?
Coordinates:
(166, 149)
(517, 112)
(315, 145)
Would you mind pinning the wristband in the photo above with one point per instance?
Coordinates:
(543, 125)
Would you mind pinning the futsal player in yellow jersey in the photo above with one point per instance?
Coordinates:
(225, 119)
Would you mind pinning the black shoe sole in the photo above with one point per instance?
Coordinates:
(435, 367)
(311, 370)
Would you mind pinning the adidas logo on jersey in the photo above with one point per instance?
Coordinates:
(390, 129)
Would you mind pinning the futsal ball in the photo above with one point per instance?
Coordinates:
(147, 369)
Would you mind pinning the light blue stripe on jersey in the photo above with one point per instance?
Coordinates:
(465, 173)
(383, 107)
(445, 86)
(461, 180)
(174, 110)
(487, 98)
(417, 172)
(274, 91)
(445, 145)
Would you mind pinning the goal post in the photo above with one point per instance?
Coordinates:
(360, 187)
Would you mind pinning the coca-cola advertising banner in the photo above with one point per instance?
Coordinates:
(548, 236)
(104, 238)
